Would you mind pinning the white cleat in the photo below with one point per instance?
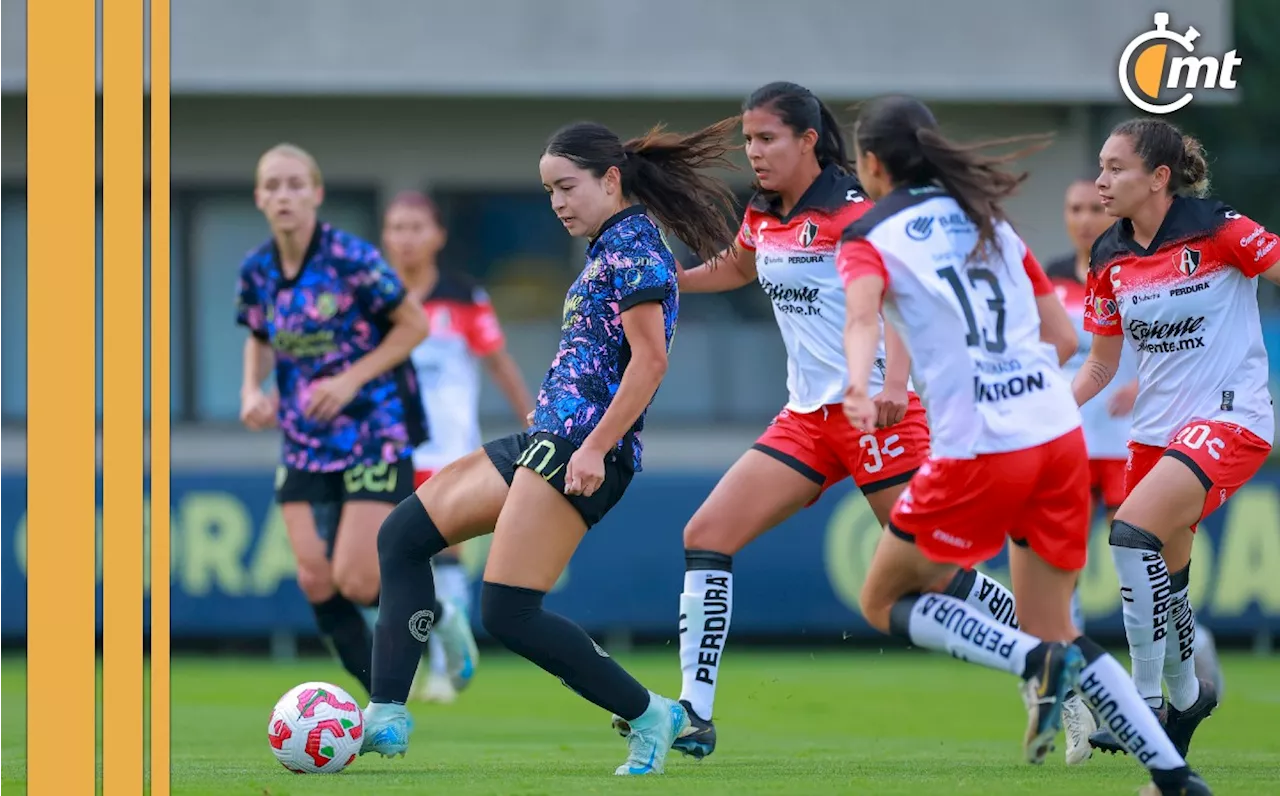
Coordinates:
(386, 730)
(460, 651)
(1079, 724)
(437, 689)
(649, 737)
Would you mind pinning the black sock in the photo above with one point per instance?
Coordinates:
(407, 605)
(342, 625)
(515, 617)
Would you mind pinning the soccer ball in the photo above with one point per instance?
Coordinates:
(316, 728)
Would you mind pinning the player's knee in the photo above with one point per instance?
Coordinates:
(408, 533)
(1124, 534)
(315, 581)
(876, 606)
(704, 533)
(505, 612)
(358, 583)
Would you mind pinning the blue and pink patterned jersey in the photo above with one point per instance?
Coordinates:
(628, 263)
(336, 310)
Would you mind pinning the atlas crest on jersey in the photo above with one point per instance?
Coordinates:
(808, 233)
(1188, 261)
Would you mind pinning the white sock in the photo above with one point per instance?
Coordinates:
(945, 624)
(452, 584)
(370, 614)
(1106, 687)
(986, 594)
(705, 609)
(1146, 592)
(451, 587)
(1179, 653)
(435, 656)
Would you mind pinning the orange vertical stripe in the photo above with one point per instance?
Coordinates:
(122, 378)
(160, 386)
(61, 460)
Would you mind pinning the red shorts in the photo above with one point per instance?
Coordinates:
(1106, 481)
(960, 511)
(826, 449)
(420, 477)
(1223, 456)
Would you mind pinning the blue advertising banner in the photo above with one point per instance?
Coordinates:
(233, 572)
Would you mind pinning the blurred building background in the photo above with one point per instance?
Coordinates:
(458, 98)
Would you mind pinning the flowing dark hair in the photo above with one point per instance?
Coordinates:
(903, 133)
(667, 173)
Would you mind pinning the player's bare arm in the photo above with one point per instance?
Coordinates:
(1055, 326)
(506, 374)
(1099, 369)
(861, 333)
(729, 270)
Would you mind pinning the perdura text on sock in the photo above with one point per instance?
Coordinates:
(955, 617)
(1110, 716)
(715, 622)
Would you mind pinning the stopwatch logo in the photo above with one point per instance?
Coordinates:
(1149, 54)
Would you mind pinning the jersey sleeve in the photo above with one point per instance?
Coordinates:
(639, 277)
(858, 258)
(1101, 310)
(1040, 283)
(746, 237)
(377, 289)
(483, 332)
(251, 312)
(1247, 244)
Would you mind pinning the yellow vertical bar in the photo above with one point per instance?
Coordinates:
(122, 441)
(160, 386)
(61, 460)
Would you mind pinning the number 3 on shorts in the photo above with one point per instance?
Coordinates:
(877, 451)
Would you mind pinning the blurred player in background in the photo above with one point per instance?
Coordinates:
(464, 333)
(1008, 458)
(539, 491)
(328, 316)
(1175, 276)
(806, 194)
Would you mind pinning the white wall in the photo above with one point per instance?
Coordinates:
(975, 50)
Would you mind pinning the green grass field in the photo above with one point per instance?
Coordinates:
(830, 721)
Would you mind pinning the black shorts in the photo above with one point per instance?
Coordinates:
(384, 482)
(548, 455)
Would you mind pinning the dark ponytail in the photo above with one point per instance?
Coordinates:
(903, 133)
(801, 110)
(666, 172)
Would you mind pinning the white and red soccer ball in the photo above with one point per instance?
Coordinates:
(316, 728)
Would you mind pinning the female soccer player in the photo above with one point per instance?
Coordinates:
(464, 333)
(1175, 276)
(539, 492)
(806, 194)
(329, 316)
(1106, 427)
(1008, 456)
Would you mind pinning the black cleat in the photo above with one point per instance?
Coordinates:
(1178, 782)
(700, 739)
(1104, 741)
(1181, 724)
